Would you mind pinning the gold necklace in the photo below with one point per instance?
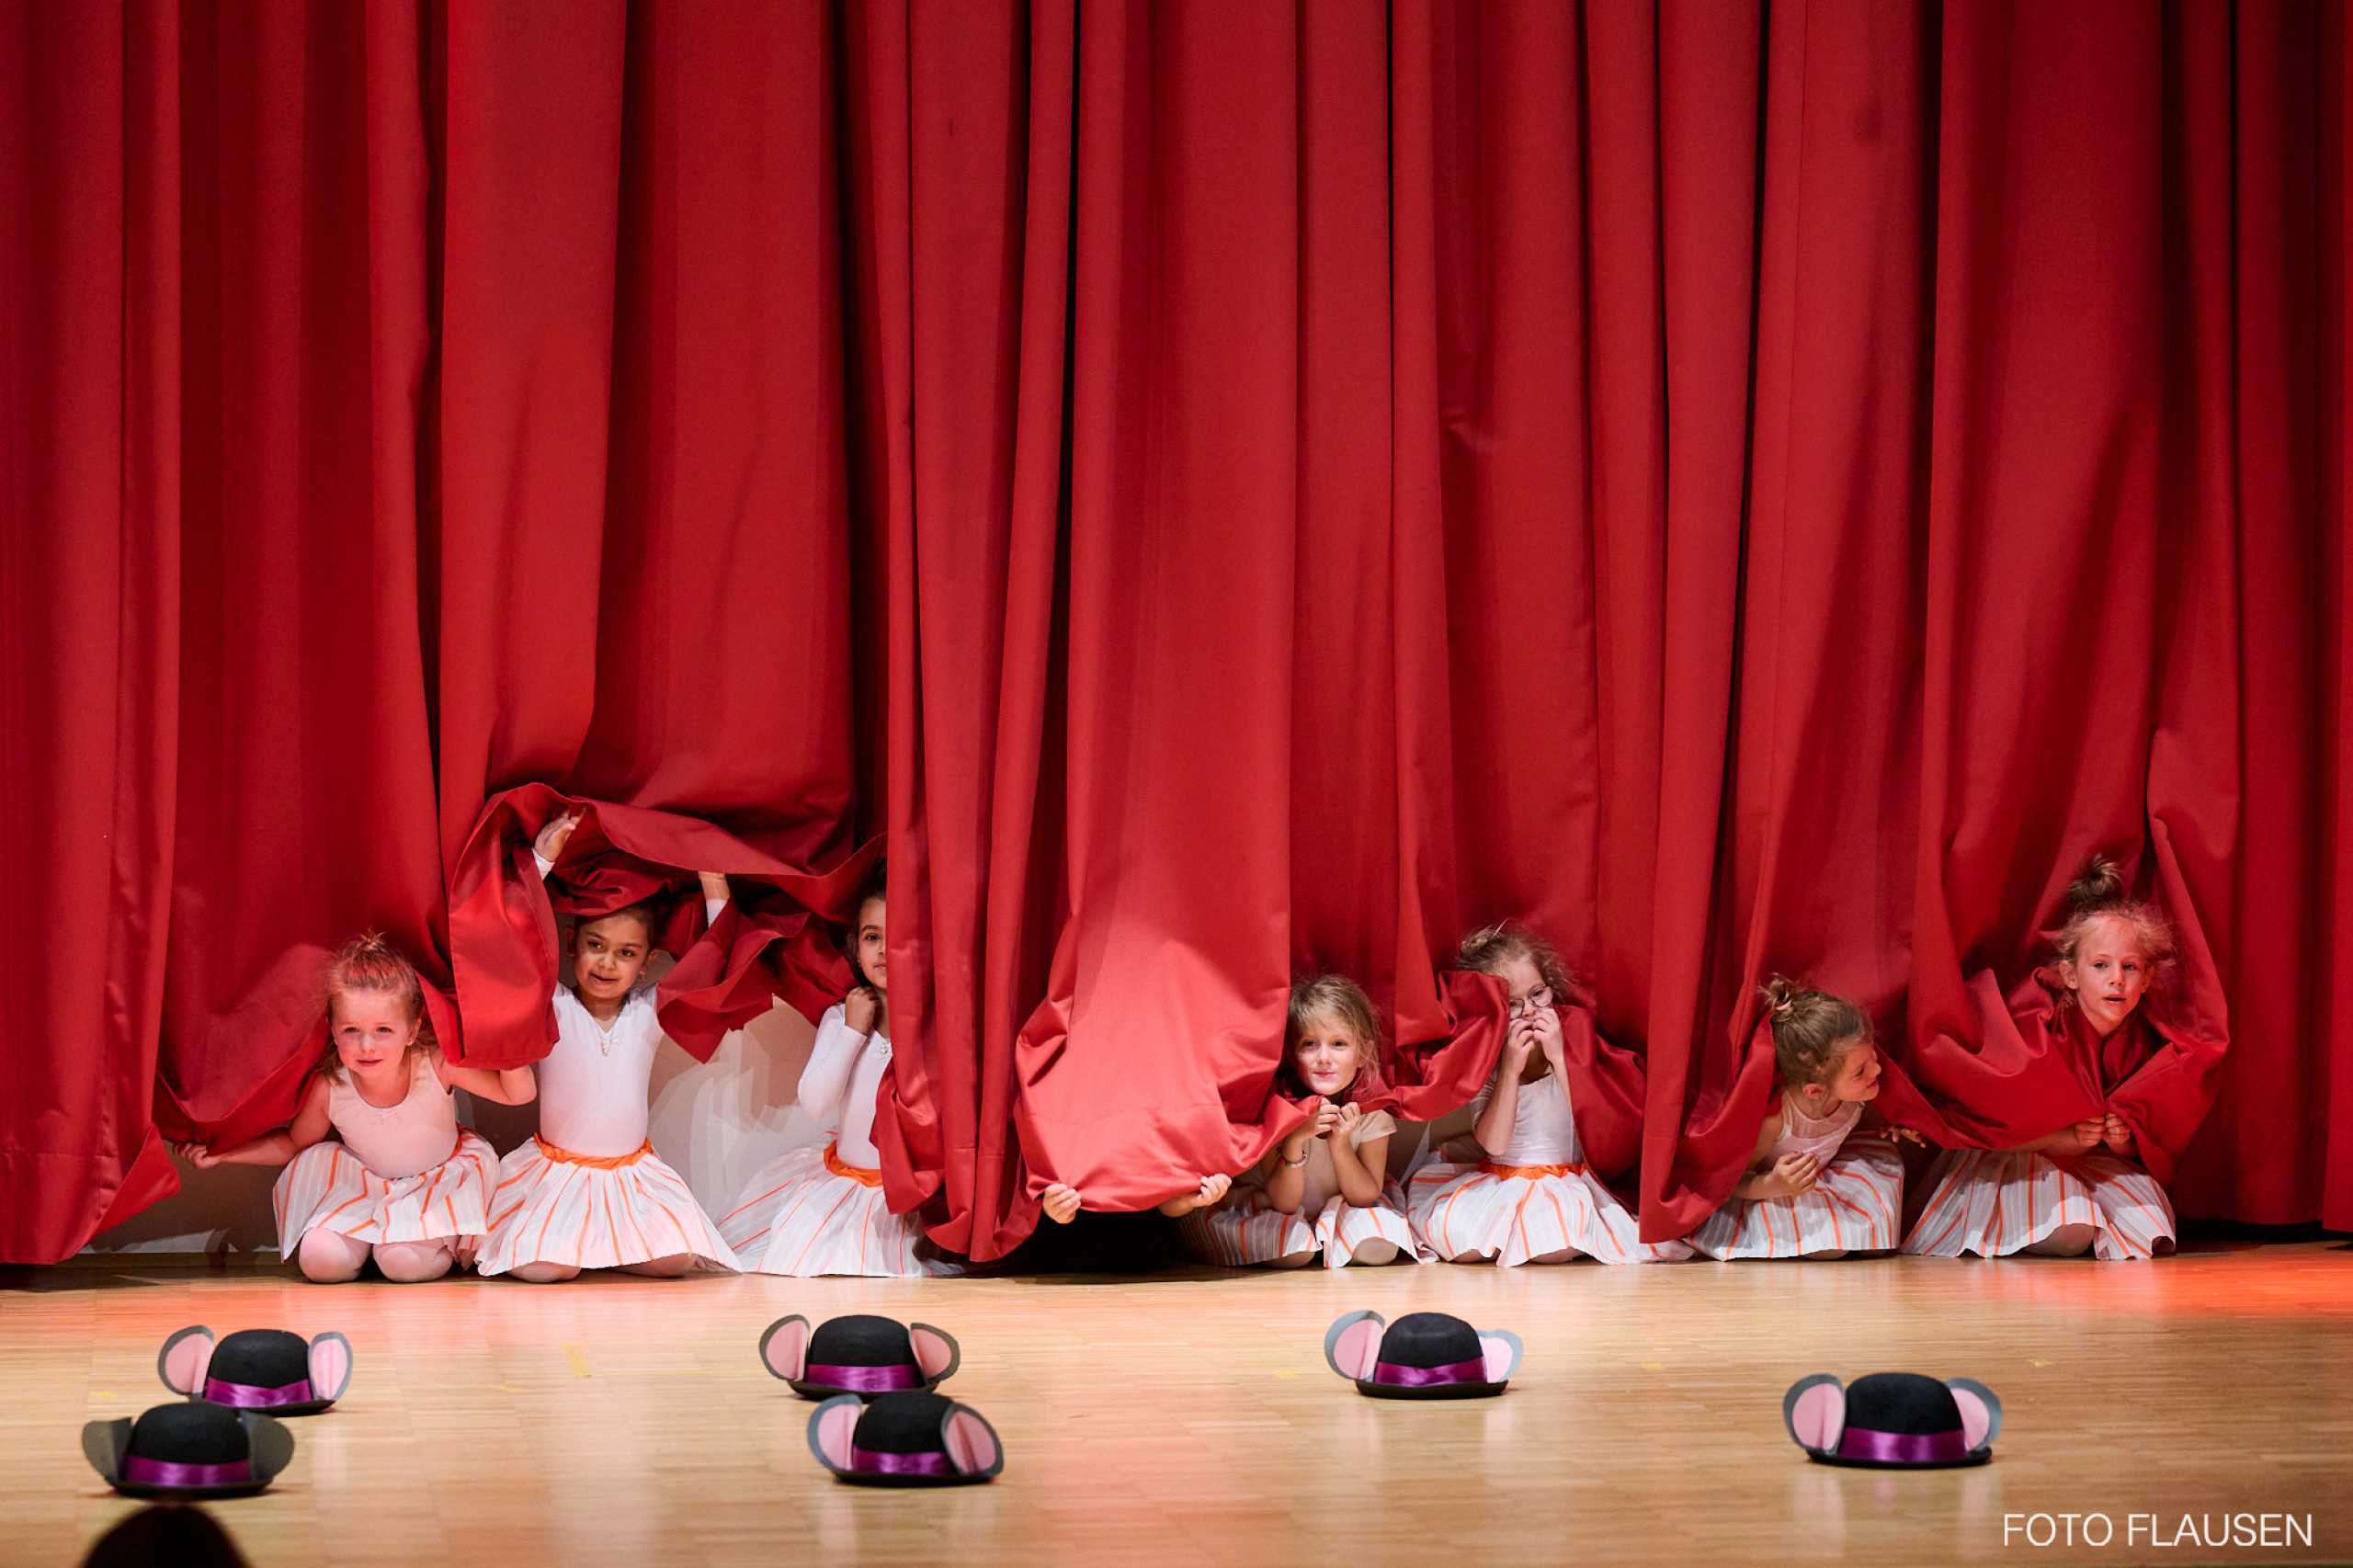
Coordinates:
(603, 1030)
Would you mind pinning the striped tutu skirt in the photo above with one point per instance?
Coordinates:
(1992, 1204)
(809, 1213)
(326, 1186)
(1238, 1237)
(583, 1211)
(1855, 1205)
(1513, 1213)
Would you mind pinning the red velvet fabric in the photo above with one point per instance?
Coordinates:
(1606, 1082)
(2030, 1065)
(1422, 1080)
(1719, 1142)
(427, 434)
(770, 942)
(89, 398)
(1222, 489)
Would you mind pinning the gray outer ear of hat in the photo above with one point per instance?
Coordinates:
(164, 1360)
(269, 1444)
(1798, 1391)
(104, 1443)
(1341, 1326)
(799, 1361)
(848, 1407)
(1993, 1408)
(349, 1361)
(996, 1465)
(955, 1353)
(1518, 1352)
(817, 1423)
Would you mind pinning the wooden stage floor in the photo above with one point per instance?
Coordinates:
(1186, 1419)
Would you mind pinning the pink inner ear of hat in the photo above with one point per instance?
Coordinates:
(1357, 1350)
(835, 1426)
(330, 1366)
(933, 1353)
(785, 1349)
(972, 1447)
(1499, 1355)
(1975, 1419)
(1820, 1417)
(186, 1363)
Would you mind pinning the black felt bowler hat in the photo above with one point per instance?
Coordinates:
(258, 1369)
(1894, 1420)
(188, 1449)
(858, 1353)
(905, 1439)
(1421, 1356)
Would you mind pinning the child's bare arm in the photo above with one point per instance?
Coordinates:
(1358, 1166)
(2071, 1139)
(1287, 1181)
(1765, 1179)
(309, 1126)
(510, 1085)
(1790, 1174)
(1212, 1191)
(1493, 1130)
(548, 848)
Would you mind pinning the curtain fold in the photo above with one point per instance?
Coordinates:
(89, 598)
(1220, 489)
(960, 146)
(305, 802)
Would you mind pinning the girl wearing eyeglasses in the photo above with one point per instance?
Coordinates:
(1538, 1197)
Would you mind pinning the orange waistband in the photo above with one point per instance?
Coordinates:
(857, 1174)
(1531, 1172)
(594, 1162)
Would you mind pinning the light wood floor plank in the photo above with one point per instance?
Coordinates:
(1190, 1418)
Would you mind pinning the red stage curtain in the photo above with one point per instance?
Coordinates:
(957, 143)
(2133, 576)
(305, 805)
(89, 456)
(769, 943)
(1620, 478)
(455, 400)
(1225, 488)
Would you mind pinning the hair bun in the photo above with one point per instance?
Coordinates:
(2099, 883)
(371, 962)
(366, 947)
(1812, 1030)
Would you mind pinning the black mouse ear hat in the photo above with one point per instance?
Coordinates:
(1894, 1420)
(1421, 1356)
(858, 1354)
(188, 1451)
(905, 1439)
(258, 1369)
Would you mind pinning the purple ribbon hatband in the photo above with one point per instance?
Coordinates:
(253, 1396)
(1903, 1448)
(868, 1462)
(1427, 1376)
(862, 1380)
(164, 1473)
